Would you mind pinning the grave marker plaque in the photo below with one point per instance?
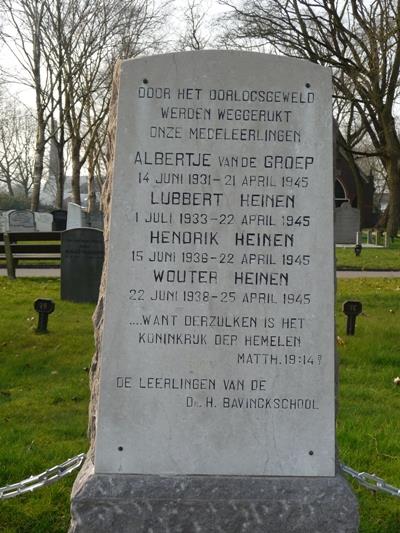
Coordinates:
(44, 221)
(218, 333)
(347, 224)
(76, 217)
(23, 220)
(59, 220)
(217, 363)
(82, 255)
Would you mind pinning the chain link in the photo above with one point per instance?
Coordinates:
(45, 478)
(371, 481)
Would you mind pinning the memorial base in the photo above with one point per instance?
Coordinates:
(208, 504)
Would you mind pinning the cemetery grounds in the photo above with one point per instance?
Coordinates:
(44, 394)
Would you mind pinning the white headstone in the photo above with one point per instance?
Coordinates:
(347, 224)
(76, 217)
(218, 344)
(44, 221)
(22, 220)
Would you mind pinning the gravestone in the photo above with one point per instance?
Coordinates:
(22, 220)
(59, 220)
(213, 391)
(76, 217)
(82, 256)
(3, 221)
(44, 221)
(347, 224)
(95, 220)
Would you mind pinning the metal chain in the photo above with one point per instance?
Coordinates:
(371, 481)
(45, 478)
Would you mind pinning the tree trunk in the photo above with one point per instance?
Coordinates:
(9, 187)
(61, 137)
(392, 226)
(38, 166)
(60, 189)
(76, 173)
(60, 178)
(361, 193)
(41, 124)
(91, 205)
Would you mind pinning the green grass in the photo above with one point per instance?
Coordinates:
(44, 398)
(368, 421)
(370, 258)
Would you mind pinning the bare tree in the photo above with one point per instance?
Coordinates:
(360, 42)
(22, 35)
(92, 36)
(17, 129)
(66, 51)
(196, 34)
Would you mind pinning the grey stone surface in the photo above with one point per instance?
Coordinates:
(347, 224)
(82, 256)
(22, 220)
(3, 220)
(44, 221)
(95, 220)
(76, 217)
(211, 504)
(183, 372)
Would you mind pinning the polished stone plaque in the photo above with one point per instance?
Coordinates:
(218, 344)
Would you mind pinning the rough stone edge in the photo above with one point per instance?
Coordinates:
(98, 317)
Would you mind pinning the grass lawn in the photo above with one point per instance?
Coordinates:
(44, 394)
(43, 399)
(370, 258)
(369, 402)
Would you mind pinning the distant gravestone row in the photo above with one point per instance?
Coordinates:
(24, 220)
(58, 220)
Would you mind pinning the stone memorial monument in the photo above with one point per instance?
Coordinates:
(82, 257)
(22, 220)
(213, 391)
